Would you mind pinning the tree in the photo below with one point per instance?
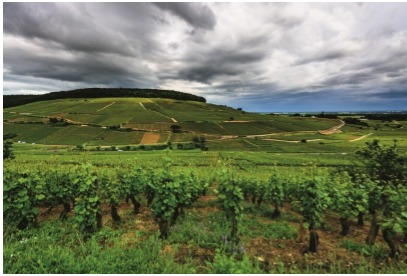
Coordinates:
(175, 128)
(199, 142)
(8, 152)
(202, 140)
(54, 120)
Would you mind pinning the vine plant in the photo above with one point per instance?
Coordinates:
(231, 197)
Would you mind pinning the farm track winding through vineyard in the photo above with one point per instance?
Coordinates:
(328, 131)
(360, 138)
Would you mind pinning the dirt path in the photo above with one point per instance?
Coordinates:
(172, 119)
(286, 141)
(143, 106)
(106, 106)
(360, 138)
(251, 143)
(332, 129)
(220, 127)
(326, 132)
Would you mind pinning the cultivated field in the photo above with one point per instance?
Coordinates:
(100, 122)
(114, 190)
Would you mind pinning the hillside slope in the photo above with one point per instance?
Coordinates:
(131, 121)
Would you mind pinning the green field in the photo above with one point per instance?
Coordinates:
(113, 136)
(195, 242)
(91, 122)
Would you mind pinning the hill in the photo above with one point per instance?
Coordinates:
(16, 100)
(141, 121)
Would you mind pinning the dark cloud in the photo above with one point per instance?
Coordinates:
(267, 55)
(324, 56)
(217, 63)
(79, 67)
(196, 14)
(402, 95)
(78, 27)
(348, 79)
(204, 74)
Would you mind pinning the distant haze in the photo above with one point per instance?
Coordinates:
(268, 57)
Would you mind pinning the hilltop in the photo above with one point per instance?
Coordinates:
(16, 100)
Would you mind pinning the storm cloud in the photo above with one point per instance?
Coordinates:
(262, 56)
(198, 15)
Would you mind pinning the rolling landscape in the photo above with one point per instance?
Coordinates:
(204, 138)
(123, 138)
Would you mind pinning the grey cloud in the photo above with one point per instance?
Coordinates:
(323, 56)
(286, 21)
(93, 69)
(394, 75)
(228, 51)
(74, 28)
(219, 62)
(352, 79)
(204, 74)
(402, 95)
(195, 14)
(387, 61)
(389, 66)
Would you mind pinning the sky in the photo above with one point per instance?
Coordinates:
(265, 57)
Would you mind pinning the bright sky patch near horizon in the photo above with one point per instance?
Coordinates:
(267, 57)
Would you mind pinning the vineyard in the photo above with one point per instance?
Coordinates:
(213, 215)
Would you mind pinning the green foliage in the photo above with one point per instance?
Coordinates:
(165, 201)
(109, 186)
(15, 100)
(20, 197)
(249, 188)
(395, 210)
(224, 264)
(231, 197)
(133, 182)
(384, 163)
(61, 252)
(175, 128)
(348, 198)
(87, 202)
(171, 192)
(80, 147)
(312, 201)
(275, 193)
(60, 179)
(59, 188)
(8, 152)
(280, 229)
(375, 251)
